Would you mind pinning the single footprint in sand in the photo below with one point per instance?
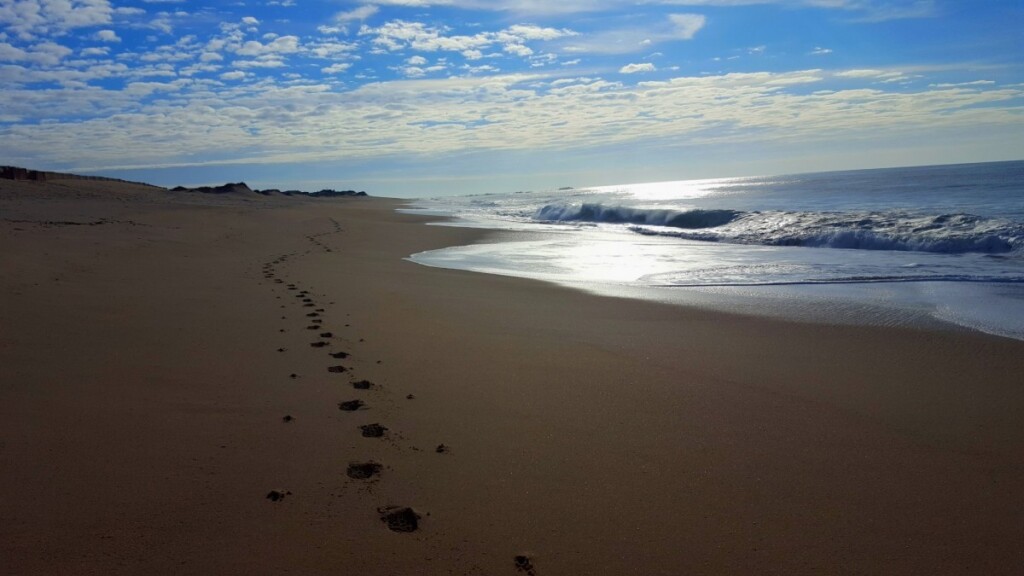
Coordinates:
(277, 495)
(525, 565)
(400, 519)
(351, 405)
(363, 470)
(373, 430)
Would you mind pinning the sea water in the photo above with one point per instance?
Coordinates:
(933, 245)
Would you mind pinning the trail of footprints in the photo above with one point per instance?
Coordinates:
(313, 315)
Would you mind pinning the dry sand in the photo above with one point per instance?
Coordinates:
(143, 396)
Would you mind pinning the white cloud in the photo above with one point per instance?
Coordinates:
(329, 30)
(250, 21)
(9, 53)
(526, 32)
(634, 68)
(861, 73)
(42, 54)
(819, 51)
(398, 35)
(336, 68)
(280, 45)
(687, 25)
(518, 49)
(31, 18)
(234, 75)
(331, 49)
(95, 51)
(630, 40)
(416, 61)
(107, 36)
(356, 14)
(269, 61)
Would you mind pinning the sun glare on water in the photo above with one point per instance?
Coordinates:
(678, 189)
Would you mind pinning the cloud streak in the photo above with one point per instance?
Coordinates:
(269, 122)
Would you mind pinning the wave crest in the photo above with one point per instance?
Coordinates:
(944, 234)
(586, 212)
(901, 231)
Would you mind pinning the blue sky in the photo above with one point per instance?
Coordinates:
(421, 97)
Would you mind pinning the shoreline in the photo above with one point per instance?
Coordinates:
(800, 302)
(143, 427)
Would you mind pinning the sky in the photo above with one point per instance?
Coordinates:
(414, 98)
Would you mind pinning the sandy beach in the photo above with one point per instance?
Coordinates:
(168, 360)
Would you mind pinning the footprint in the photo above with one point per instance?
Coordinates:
(351, 405)
(340, 355)
(277, 495)
(362, 385)
(373, 430)
(363, 470)
(337, 369)
(400, 519)
(524, 564)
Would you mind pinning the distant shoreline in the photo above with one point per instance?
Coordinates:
(26, 174)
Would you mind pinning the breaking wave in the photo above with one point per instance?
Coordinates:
(689, 219)
(903, 231)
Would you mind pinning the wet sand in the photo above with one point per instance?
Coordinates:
(189, 384)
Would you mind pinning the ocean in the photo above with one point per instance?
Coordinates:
(933, 246)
